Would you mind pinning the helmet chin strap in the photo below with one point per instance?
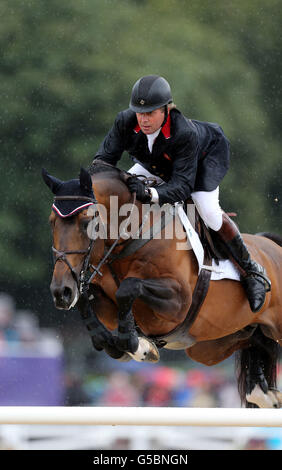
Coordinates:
(166, 115)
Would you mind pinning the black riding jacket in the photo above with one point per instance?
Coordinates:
(188, 155)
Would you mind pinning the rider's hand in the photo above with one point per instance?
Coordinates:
(137, 186)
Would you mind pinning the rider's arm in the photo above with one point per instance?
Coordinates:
(184, 169)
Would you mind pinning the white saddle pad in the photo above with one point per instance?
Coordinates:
(224, 270)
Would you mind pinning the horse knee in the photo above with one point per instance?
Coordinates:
(127, 339)
(128, 291)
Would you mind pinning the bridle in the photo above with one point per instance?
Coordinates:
(88, 270)
(59, 255)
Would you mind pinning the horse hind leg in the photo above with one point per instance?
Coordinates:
(257, 365)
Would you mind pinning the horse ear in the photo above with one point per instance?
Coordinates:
(51, 181)
(85, 180)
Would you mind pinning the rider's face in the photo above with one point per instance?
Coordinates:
(150, 122)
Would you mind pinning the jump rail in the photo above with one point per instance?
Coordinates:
(140, 416)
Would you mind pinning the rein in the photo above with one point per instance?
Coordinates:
(89, 271)
(86, 282)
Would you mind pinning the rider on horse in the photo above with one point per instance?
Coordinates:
(189, 158)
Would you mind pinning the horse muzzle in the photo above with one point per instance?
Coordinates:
(64, 296)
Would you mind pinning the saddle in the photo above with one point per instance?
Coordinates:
(214, 249)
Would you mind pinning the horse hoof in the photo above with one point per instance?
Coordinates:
(124, 358)
(276, 397)
(263, 400)
(147, 351)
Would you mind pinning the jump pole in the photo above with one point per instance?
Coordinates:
(140, 416)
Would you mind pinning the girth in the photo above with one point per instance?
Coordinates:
(179, 338)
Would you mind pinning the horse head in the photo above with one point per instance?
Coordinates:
(69, 220)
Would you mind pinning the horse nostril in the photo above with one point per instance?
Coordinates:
(67, 295)
(62, 296)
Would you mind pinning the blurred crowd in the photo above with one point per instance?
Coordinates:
(105, 382)
(163, 385)
(156, 385)
(20, 331)
(118, 384)
(123, 384)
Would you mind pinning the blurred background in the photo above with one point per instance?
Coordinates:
(67, 68)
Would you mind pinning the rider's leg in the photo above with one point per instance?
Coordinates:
(207, 203)
(253, 275)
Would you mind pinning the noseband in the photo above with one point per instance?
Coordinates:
(60, 255)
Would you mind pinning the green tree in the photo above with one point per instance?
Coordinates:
(67, 68)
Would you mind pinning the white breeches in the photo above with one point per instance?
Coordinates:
(207, 202)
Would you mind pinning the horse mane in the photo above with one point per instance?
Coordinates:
(99, 166)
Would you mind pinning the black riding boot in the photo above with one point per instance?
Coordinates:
(253, 276)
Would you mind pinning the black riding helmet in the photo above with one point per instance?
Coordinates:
(149, 93)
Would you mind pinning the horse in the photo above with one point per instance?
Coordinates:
(133, 295)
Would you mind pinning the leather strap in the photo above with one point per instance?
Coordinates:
(199, 294)
(136, 244)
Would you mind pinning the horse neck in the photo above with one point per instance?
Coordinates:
(112, 194)
(109, 185)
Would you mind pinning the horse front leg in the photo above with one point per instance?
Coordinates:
(127, 339)
(101, 337)
(141, 349)
(159, 294)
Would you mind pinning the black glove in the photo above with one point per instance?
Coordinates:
(137, 186)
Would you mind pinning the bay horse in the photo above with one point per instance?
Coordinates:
(143, 290)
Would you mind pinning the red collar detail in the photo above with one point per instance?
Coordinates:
(165, 128)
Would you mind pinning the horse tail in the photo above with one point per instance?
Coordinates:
(272, 236)
(256, 363)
